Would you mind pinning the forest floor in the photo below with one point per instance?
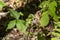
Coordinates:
(15, 34)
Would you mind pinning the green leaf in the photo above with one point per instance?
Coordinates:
(11, 24)
(43, 4)
(52, 13)
(58, 24)
(55, 39)
(2, 4)
(52, 8)
(58, 2)
(14, 13)
(44, 19)
(31, 16)
(56, 34)
(21, 13)
(28, 22)
(40, 36)
(57, 30)
(21, 26)
(29, 19)
(56, 18)
(53, 4)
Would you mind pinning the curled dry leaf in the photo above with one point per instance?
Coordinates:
(3, 14)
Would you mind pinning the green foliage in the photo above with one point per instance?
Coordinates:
(11, 24)
(43, 4)
(44, 19)
(50, 7)
(58, 2)
(55, 39)
(15, 14)
(21, 25)
(40, 36)
(56, 34)
(29, 19)
(49, 11)
(56, 31)
(57, 23)
(2, 4)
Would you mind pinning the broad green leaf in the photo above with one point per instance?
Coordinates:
(21, 26)
(14, 13)
(11, 24)
(2, 4)
(44, 19)
(51, 12)
(52, 8)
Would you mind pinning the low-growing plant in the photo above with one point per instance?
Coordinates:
(49, 13)
(20, 24)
